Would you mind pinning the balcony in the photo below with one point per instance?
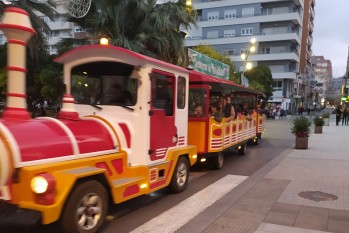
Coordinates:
(221, 21)
(189, 41)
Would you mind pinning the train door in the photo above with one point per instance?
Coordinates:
(163, 132)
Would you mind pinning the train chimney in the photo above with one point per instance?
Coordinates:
(17, 28)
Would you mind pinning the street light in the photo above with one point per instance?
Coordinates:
(244, 56)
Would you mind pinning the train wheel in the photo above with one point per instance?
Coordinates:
(180, 176)
(243, 149)
(86, 208)
(218, 161)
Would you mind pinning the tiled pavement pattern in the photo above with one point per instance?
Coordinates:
(268, 201)
(248, 213)
(273, 228)
(323, 167)
(308, 217)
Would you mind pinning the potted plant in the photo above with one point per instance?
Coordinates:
(326, 118)
(318, 122)
(301, 129)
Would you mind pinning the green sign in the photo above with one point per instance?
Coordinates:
(244, 81)
(207, 65)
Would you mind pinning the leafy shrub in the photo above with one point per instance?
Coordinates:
(301, 127)
(318, 121)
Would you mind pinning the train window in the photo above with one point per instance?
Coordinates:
(104, 83)
(162, 92)
(197, 102)
(181, 92)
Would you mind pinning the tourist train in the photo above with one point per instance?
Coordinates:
(125, 129)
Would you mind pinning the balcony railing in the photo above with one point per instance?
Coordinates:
(198, 37)
(237, 16)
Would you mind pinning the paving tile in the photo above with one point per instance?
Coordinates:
(285, 208)
(315, 231)
(311, 222)
(248, 213)
(310, 211)
(338, 226)
(274, 228)
(339, 215)
(283, 214)
(281, 219)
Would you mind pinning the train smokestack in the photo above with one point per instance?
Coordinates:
(17, 28)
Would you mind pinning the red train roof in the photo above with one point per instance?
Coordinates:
(197, 77)
(106, 50)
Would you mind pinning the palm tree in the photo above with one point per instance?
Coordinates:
(37, 45)
(141, 25)
(37, 56)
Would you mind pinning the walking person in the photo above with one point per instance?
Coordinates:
(338, 115)
(345, 116)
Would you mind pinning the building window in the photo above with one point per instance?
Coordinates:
(229, 52)
(213, 15)
(45, 19)
(277, 85)
(229, 14)
(247, 11)
(212, 34)
(265, 50)
(229, 33)
(79, 29)
(246, 31)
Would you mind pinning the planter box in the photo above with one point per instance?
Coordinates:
(318, 129)
(327, 121)
(301, 143)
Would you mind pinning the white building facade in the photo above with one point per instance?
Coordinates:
(276, 25)
(60, 27)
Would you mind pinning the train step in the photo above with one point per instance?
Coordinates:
(128, 187)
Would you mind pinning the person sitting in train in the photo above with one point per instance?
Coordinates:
(199, 111)
(248, 115)
(216, 112)
(228, 109)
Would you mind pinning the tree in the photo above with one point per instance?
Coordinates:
(212, 53)
(53, 87)
(142, 26)
(38, 44)
(260, 78)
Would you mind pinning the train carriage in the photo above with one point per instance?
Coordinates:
(212, 137)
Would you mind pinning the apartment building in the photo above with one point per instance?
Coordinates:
(60, 27)
(323, 75)
(276, 25)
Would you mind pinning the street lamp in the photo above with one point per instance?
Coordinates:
(244, 57)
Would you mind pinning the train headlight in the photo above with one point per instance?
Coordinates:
(42, 183)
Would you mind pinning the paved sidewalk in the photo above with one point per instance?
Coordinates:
(300, 191)
(321, 174)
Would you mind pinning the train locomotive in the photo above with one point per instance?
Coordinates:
(121, 133)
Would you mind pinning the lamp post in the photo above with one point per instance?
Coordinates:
(244, 57)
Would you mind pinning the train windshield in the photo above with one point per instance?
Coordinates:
(104, 83)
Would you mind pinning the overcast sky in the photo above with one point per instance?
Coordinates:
(331, 33)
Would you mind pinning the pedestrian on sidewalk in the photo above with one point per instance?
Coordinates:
(338, 114)
(345, 116)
